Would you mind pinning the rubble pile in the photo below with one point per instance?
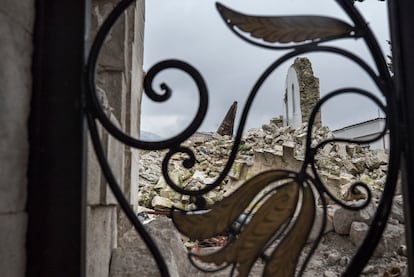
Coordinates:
(270, 147)
(211, 152)
(273, 147)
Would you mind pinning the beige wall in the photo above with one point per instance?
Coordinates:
(121, 60)
(16, 30)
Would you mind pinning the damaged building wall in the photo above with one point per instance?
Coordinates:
(301, 93)
(119, 82)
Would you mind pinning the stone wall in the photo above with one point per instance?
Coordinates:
(309, 88)
(16, 30)
(119, 81)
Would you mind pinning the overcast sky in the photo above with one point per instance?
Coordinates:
(193, 31)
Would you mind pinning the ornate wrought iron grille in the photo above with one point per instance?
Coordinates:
(295, 192)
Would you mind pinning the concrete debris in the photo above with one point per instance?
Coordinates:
(134, 259)
(159, 202)
(397, 209)
(357, 233)
(276, 147)
(269, 147)
(342, 220)
(317, 225)
(328, 273)
(394, 271)
(333, 258)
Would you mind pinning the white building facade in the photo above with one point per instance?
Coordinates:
(365, 131)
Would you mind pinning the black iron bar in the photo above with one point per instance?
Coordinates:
(402, 38)
(56, 177)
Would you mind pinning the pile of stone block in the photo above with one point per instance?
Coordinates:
(339, 165)
(270, 147)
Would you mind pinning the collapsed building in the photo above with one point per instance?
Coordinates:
(301, 94)
(273, 146)
(269, 147)
(280, 144)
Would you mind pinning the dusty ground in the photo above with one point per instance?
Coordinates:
(332, 257)
(324, 262)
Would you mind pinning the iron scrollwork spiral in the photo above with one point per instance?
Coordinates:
(286, 212)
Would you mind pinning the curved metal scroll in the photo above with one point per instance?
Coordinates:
(286, 211)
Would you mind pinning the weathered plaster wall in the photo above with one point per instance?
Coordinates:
(119, 79)
(293, 114)
(301, 93)
(16, 30)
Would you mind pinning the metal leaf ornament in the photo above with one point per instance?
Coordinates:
(225, 212)
(285, 29)
(268, 222)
